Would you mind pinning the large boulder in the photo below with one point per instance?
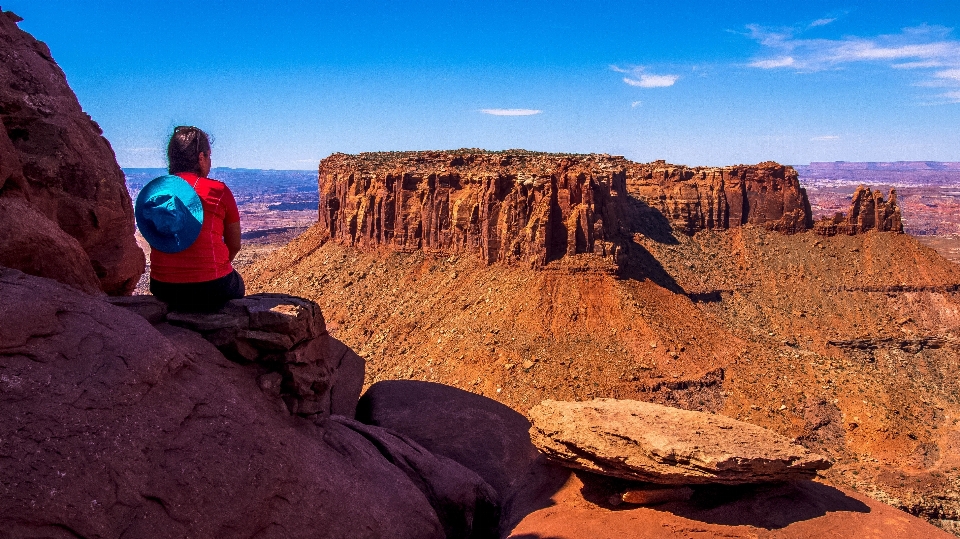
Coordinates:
(649, 442)
(466, 505)
(54, 154)
(475, 431)
(110, 427)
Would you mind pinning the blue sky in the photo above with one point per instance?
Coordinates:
(698, 83)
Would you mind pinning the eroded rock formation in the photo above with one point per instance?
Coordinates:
(868, 211)
(719, 198)
(54, 157)
(536, 207)
(502, 206)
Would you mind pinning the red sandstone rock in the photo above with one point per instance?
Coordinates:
(512, 206)
(11, 171)
(311, 371)
(536, 207)
(466, 505)
(110, 428)
(32, 243)
(868, 211)
(56, 154)
(147, 307)
(649, 442)
(479, 433)
(702, 198)
(807, 510)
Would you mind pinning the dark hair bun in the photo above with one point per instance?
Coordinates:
(186, 145)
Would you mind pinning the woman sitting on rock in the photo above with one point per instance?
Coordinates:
(193, 227)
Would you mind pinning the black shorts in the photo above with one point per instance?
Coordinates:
(207, 296)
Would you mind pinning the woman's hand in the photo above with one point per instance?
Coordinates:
(231, 236)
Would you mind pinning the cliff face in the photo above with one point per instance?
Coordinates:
(868, 211)
(504, 206)
(708, 198)
(537, 207)
(53, 156)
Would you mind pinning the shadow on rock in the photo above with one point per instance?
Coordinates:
(637, 263)
(769, 506)
(650, 222)
(475, 431)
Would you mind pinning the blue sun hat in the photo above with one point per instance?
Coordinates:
(169, 214)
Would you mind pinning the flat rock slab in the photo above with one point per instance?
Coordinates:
(299, 318)
(648, 442)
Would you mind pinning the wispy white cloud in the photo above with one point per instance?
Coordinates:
(821, 22)
(950, 74)
(637, 76)
(826, 137)
(511, 112)
(652, 81)
(773, 63)
(952, 96)
(923, 46)
(931, 51)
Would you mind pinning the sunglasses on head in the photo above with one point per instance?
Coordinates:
(196, 135)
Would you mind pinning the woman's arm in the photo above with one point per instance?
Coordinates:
(231, 236)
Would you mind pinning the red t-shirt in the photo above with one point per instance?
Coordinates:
(208, 258)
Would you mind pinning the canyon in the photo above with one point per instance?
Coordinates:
(377, 380)
(542, 276)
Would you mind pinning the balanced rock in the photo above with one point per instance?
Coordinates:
(648, 442)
